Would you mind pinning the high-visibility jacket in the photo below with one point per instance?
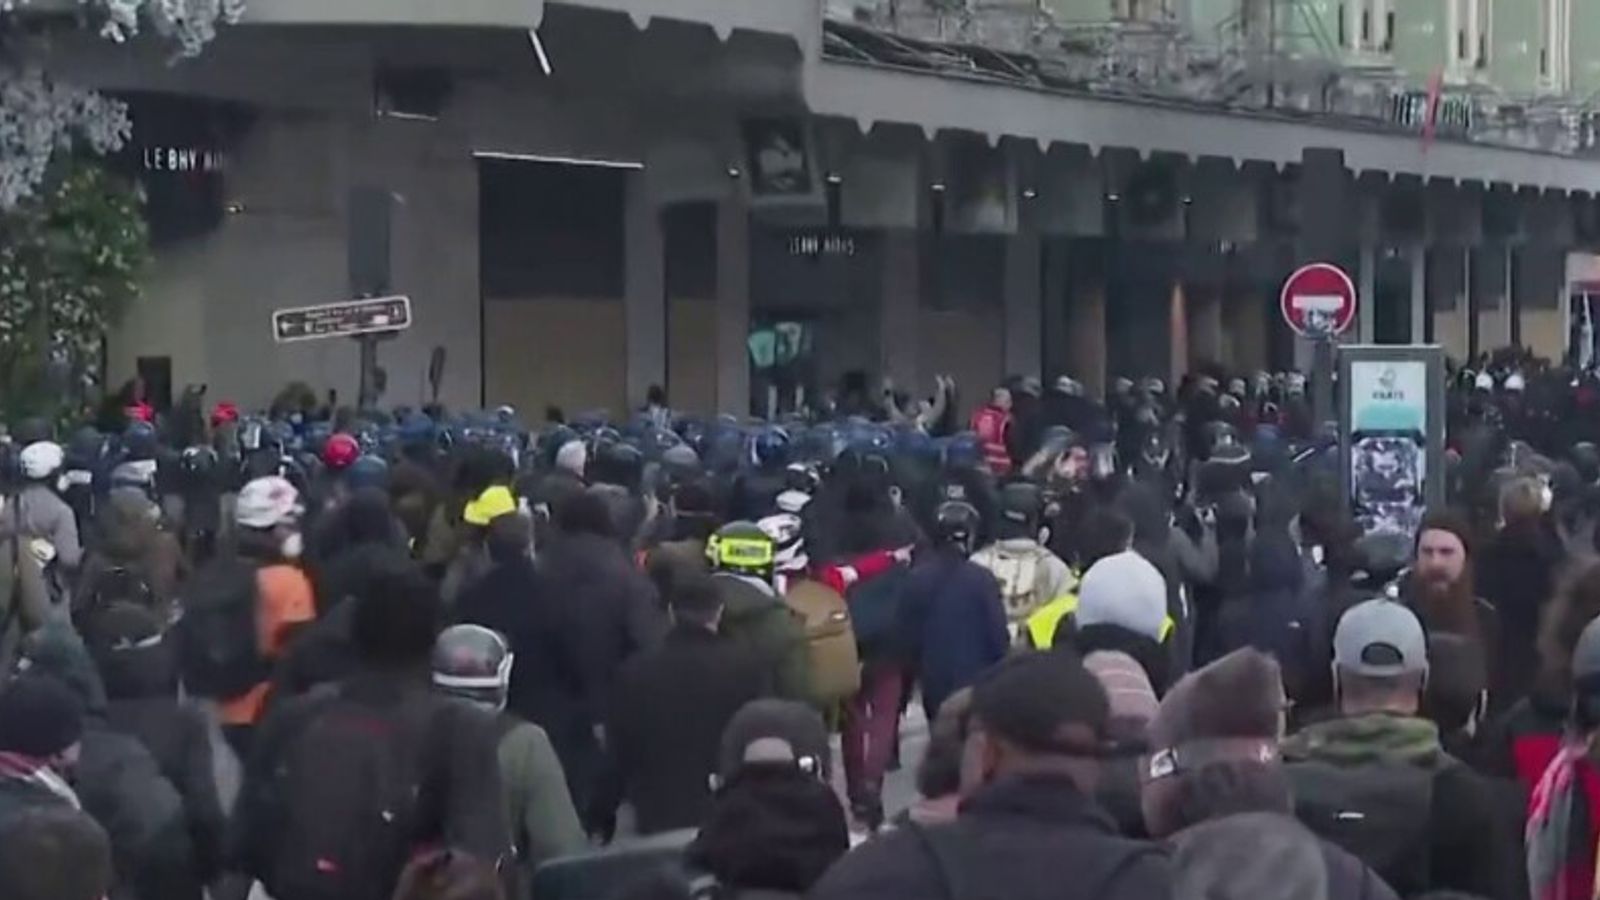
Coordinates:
(993, 427)
(1041, 626)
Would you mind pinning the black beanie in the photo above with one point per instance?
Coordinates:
(39, 717)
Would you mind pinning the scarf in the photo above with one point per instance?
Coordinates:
(36, 772)
(1561, 845)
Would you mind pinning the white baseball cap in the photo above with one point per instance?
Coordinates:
(42, 459)
(267, 503)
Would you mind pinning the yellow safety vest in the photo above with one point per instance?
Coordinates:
(1043, 623)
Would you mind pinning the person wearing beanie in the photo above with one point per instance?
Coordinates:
(1377, 781)
(41, 733)
(54, 853)
(1441, 589)
(1251, 856)
(1037, 729)
(1214, 745)
(1122, 607)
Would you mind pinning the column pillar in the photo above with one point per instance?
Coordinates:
(1367, 294)
(733, 306)
(644, 291)
(1205, 326)
(1419, 294)
(899, 330)
(1024, 315)
(1086, 315)
(1178, 328)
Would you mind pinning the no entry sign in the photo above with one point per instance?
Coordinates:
(1318, 300)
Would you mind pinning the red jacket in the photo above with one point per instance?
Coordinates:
(993, 426)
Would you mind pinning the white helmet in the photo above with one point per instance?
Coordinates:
(789, 550)
(1484, 382)
(1515, 382)
(41, 460)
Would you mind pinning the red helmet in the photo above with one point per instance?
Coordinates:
(340, 451)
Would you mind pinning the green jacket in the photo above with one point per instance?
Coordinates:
(542, 817)
(762, 620)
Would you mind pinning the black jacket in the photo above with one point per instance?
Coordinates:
(668, 713)
(1021, 838)
(547, 678)
(1516, 573)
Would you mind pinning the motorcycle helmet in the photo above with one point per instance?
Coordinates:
(473, 663)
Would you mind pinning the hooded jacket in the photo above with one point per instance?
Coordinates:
(754, 614)
(1381, 786)
(24, 599)
(121, 784)
(45, 515)
(131, 540)
(543, 822)
(955, 623)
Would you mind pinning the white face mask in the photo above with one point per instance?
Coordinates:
(293, 546)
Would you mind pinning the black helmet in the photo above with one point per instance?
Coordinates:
(1586, 458)
(956, 524)
(473, 663)
(742, 548)
(1021, 508)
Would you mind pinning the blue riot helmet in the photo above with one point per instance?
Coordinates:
(417, 430)
(139, 441)
(914, 443)
(278, 435)
(695, 433)
(551, 441)
(769, 447)
(964, 451)
(316, 437)
(727, 451)
(367, 472)
(680, 462)
(86, 449)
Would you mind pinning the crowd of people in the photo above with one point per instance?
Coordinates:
(455, 657)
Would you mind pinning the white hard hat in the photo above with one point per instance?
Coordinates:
(1514, 382)
(267, 503)
(42, 459)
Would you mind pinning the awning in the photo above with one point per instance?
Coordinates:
(450, 13)
(870, 93)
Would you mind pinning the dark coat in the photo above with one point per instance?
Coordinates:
(668, 711)
(1516, 573)
(547, 678)
(955, 624)
(1021, 832)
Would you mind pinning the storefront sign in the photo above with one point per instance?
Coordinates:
(1453, 115)
(822, 244)
(181, 159)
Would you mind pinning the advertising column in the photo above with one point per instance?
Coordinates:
(1392, 435)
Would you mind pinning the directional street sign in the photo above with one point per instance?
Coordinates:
(355, 317)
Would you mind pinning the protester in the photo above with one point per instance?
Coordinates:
(46, 519)
(41, 734)
(1038, 722)
(1442, 592)
(1122, 607)
(328, 767)
(939, 775)
(243, 609)
(1563, 828)
(473, 663)
(120, 783)
(744, 562)
(667, 714)
(775, 825)
(993, 424)
(1517, 573)
(1376, 780)
(54, 853)
(1215, 743)
(134, 560)
(954, 617)
(1252, 856)
(1029, 575)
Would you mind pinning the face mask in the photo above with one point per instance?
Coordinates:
(293, 546)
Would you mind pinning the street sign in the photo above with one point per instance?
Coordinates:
(1318, 301)
(354, 317)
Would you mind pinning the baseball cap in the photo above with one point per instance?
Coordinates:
(267, 503)
(1045, 702)
(1380, 638)
(775, 731)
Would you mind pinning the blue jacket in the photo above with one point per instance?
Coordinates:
(955, 623)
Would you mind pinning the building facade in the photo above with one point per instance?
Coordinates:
(753, 203)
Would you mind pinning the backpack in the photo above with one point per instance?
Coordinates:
(875, 616)
(830, 641)
(1379, 812)
(219, 642)
(114, 584)
(352, 796)
(1018, 575)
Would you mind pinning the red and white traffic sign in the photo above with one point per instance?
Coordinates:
(1318, 300)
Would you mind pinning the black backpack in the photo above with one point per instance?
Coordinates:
(353, 790)
(113, 584)
(1378, 812)
(219, 644)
